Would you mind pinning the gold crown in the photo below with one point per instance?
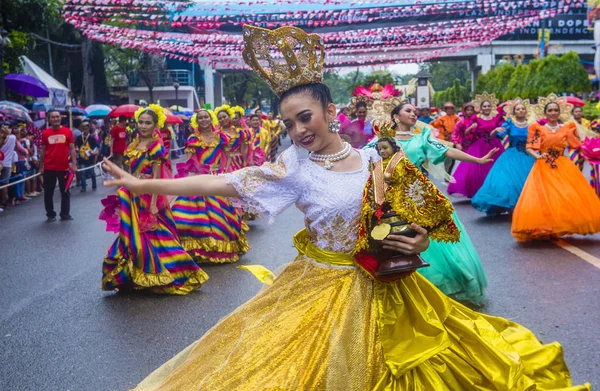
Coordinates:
(565, 107)
(300, 60)
(383, 129)
(485, 97)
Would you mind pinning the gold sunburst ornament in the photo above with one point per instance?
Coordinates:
(509, 108)
(158, 110)
(565, 107)
(486, 97)
(284, 58)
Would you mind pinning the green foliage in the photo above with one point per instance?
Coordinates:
(590, 111)
(445, 72)
(340, 86)
(456, 94)
(246, 89)
(381, 77)
(17, 48)
(540, 77)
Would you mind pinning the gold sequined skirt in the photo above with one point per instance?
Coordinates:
(324, 326)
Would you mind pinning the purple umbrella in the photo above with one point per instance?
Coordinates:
(26, 85)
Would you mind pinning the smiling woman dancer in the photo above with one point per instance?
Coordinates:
(147, 253)
(324, 324)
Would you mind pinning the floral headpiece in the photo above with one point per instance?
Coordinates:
(240, 110)
(157, 110)
(227, 109)
(300, 61)
(194, 119)
(509, 108)
(565, 107)
(485, 97)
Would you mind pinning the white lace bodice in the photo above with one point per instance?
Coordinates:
(330, 200)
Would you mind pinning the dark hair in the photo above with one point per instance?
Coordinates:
(396, 110)
(151, 113)
(223, 111)
(318, 91)
(359, 105)
(390, 141)
(551, 103)
(254, 116)
(77, 122)
(51, 111)
(122, 118)
(575, 108)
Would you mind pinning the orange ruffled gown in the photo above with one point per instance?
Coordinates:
(556, 199)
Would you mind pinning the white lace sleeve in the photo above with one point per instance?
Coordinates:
(271, 188)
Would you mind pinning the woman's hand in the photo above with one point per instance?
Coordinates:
(470, 129)
(488, 157)
(493, 132)
(120, 177)
(153, 209)
(407, 245)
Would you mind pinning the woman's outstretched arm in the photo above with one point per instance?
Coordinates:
(200, 185)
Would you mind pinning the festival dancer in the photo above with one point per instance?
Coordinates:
(238, 138)
(455, 266)
(260, 140)
(273, 126)
(504, 183)
(324, 324)
(476, 141)
(556, 199)
(239, 119)
(210, 228)
(147, 254)
(445, 126)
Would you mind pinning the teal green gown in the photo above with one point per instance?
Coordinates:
(455, 267)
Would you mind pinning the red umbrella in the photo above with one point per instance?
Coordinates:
(126, 110)
(575, 101)
(172, 118)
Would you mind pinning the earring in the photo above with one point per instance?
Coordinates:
(397, 120)
(334, 126)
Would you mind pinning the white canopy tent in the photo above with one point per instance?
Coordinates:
(59, 94)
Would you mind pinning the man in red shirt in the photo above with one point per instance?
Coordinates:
(58, 145)
(118, 141)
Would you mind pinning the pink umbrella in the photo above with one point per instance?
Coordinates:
(575, 101)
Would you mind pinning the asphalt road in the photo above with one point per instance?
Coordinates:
(59, 331)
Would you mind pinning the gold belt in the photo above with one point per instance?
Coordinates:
(306, 247)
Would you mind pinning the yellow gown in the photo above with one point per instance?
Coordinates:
(323, 324)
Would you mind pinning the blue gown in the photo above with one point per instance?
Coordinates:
(503, 185)
(455, 268)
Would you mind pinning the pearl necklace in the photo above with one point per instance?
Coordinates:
(553, 128)
(410, 132)
(521, 124)
(330, 159)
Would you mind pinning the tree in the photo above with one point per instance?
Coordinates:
(456, 94)
(502, 76)
(445, 72)
(340, 86)
(248, 90)
(516, 85)
(578, 79)
(381, 77)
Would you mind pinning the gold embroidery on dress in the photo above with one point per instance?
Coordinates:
(334, 234)
(254, 177)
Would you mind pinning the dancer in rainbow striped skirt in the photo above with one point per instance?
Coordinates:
(147, 253)
(210, 228)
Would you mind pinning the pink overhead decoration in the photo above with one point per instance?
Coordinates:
(354, 32)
